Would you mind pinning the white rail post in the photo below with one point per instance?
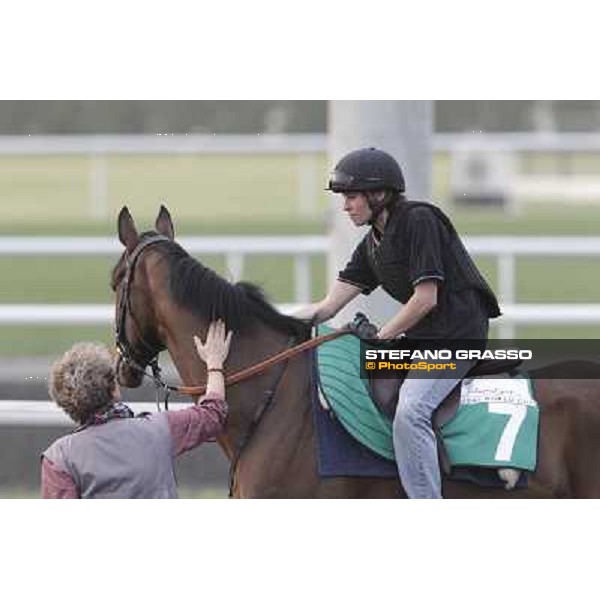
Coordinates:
(235, 266)
(506, 286)
(302, 283)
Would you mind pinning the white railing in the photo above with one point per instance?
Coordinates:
(103, 314)
(280, 144)
(162, 144)
(505, 248)
(74, 314)
(40, 413)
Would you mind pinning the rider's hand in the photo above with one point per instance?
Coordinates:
(215, 349)
(362, 328)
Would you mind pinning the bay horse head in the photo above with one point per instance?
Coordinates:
(164, 296)
(137, 334)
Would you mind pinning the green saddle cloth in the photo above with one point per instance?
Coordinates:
(348, 395)
(480, 434)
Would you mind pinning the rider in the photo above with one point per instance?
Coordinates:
(413, 251)
(112, 454)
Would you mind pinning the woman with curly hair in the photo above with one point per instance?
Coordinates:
(113, 454)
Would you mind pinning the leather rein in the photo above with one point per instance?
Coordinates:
(265, 364)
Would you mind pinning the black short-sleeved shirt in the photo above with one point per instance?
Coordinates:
(419, 243)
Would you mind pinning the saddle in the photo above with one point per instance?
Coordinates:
(384, 391)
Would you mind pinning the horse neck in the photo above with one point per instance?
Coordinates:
(247, 349)
(268, 429)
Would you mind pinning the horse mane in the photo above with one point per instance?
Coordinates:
(206, 294)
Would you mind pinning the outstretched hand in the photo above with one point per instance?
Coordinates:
(215, 349)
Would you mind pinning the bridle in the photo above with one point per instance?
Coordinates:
(124, 348)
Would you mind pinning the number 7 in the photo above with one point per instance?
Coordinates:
(517, 414)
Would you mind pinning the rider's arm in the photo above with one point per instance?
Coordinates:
(423, 300)
(339, 295)
(356, 278)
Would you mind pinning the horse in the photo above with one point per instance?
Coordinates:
(163, 296)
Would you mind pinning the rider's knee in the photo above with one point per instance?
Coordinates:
(411, 412)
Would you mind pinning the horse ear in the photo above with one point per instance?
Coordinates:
(164, 225)
(127, 232)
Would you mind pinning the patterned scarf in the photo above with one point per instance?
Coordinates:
(118, 410)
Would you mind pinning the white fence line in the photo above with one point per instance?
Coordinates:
(101, 246)
(103, 314)
(73, 314)
(280, 143)
(235, 248)
(162, 144)
(308, 244)
(42, 413)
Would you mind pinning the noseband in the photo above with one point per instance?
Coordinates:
(124, 348)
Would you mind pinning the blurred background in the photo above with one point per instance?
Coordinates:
(244, 182)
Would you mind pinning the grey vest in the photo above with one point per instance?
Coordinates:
(124, 458)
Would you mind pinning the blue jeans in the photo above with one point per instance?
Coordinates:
(414, 440)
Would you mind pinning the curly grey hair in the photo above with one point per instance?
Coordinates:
(82, 382)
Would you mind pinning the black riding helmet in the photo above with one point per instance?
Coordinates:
(367, 169)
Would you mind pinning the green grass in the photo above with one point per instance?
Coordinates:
(231, 194)
(19, 493)
(198, 226)
(548, 219)
(56, 192)
(48, 340)
(85, 280)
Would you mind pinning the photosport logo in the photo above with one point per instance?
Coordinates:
(427, 358)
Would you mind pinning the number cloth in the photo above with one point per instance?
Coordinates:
(496, 424)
